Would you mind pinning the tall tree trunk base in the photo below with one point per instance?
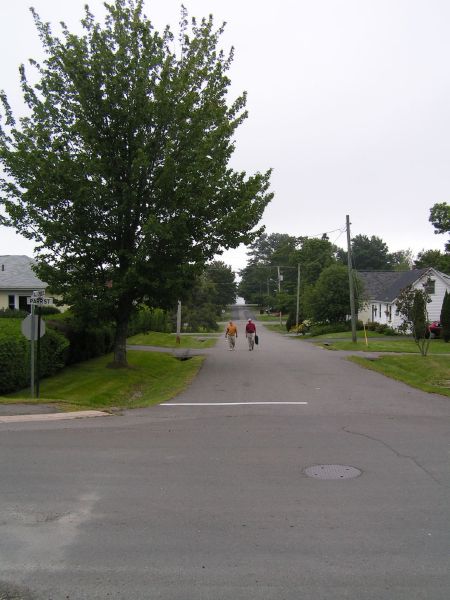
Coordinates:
(117, 365)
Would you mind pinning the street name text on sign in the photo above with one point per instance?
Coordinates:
(40, 301)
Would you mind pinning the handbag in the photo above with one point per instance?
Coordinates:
(256, 339)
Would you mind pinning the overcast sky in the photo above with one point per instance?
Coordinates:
(349, 103)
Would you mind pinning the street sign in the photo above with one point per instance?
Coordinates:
(39, 301)
(26, 327)
(38, 294)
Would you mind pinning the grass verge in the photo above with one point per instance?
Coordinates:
(168, 340)
(427, 373)
(276, 328)
(344, 335)
(269, 318)
(391, 345)
(151, 378)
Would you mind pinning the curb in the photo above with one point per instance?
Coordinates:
(82, 414)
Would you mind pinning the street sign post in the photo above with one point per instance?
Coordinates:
(30, 327)
(34, 329)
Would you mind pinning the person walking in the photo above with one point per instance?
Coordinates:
(250, 332)
(231, 333)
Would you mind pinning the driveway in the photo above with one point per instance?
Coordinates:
(225, 492)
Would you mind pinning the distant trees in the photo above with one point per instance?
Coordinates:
(433, 258)
(440, 219)
(372, 254)
(324, 293)
(329, 299)
(259, 279)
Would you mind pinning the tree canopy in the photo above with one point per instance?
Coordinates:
(433, 258)
(120, 171)
(329, 299)
(440, 219)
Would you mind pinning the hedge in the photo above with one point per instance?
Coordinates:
(66, 341)
(15, 357)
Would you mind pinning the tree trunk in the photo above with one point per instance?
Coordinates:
(120, 342)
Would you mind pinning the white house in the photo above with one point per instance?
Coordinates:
(382, 288)
(17, 281)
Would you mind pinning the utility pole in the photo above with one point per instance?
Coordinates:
(178, 338)
(350, 281)
(298, 295)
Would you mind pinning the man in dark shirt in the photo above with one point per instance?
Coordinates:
(250, 332)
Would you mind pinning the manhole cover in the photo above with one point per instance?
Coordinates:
(332, 472)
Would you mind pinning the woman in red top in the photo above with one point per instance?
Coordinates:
(250, 332)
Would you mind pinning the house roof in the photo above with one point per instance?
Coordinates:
(16, 273)
(385, 286)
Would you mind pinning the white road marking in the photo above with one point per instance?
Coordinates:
(227, 403)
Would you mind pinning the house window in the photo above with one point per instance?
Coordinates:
(11, 301)
(430, 286)
(23, 304)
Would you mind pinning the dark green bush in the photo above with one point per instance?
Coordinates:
(13, 363)
(323, 328)
(15, 359)
(382, 328)
(291, 321)
(8, 313)
(49, 310)
(85, 341)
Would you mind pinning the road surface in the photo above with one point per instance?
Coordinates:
(208, 497)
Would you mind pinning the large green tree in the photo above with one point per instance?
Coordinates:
(314, 255)
(120, 170)
(329, 299)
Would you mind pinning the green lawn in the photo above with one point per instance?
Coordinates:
(344, 335)
(153, 377)
(391, 344)
(265, 317)
(277, 328)
(427, 373)
(168, 340)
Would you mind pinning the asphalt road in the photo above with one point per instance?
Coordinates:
(206, 497)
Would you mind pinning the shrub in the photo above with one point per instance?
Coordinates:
(49, 310)
(445, 317)
(13, 363)
(149, 319)
(15, 357)
(8, 313)
(382, 328)
(85, 341)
